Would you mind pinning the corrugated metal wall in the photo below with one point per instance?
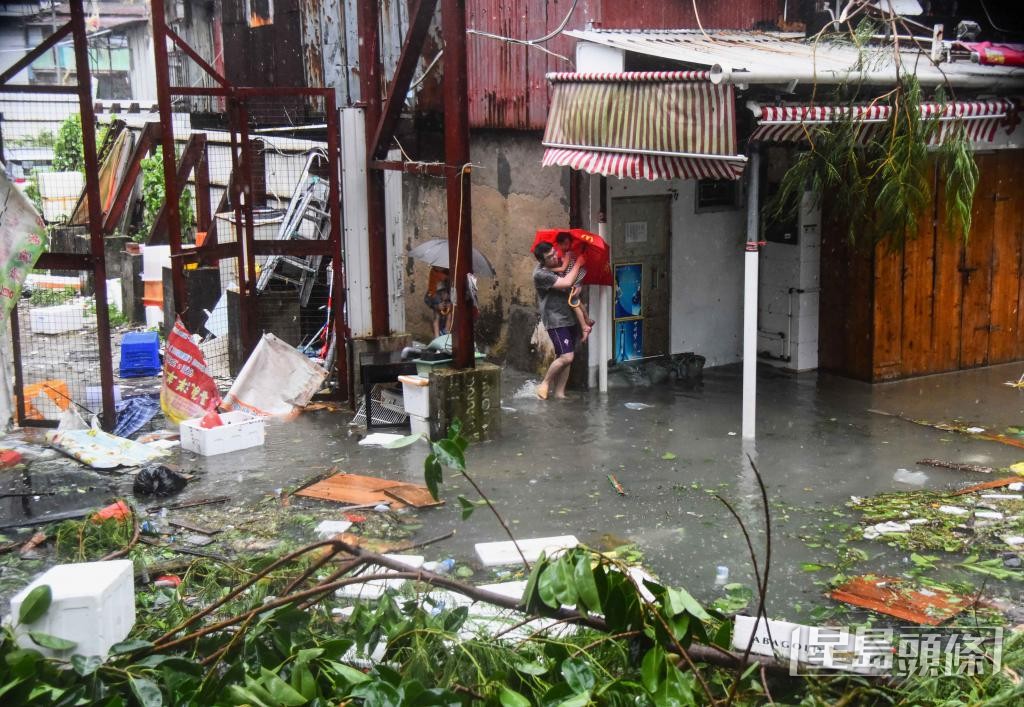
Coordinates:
(506, 84)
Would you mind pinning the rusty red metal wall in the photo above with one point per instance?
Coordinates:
(506, 80)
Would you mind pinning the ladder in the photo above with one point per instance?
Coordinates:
(306, 218)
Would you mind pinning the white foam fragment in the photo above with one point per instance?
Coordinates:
(989, 515)
(330, 528)
(505, 553)
(1003, 496)
(1013, 540)
(953, 510)
(378, 439)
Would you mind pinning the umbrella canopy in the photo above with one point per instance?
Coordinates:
(435, 252)
(599, 271)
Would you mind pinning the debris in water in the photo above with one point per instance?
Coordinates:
(891, 596)
(912, 478)
(616, 485)
(638, 406)
(958, 466)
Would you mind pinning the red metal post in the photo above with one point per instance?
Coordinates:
(245, 303)
(369, 67)
(456, 155)
(163, 96)
(92, 191)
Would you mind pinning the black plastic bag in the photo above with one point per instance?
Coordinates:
(158, 480)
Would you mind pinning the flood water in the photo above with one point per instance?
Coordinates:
(820, 440)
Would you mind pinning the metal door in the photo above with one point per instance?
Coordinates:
(641, 268)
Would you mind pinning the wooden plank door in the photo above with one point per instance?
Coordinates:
(1005, 341)
(976, 269)
(640, 245)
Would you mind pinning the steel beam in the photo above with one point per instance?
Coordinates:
(419, 23)
(92, 191)
(370, 84)
(456, 155)
(191, 156)
(163, 96)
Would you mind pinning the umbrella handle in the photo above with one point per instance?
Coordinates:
(574, 297)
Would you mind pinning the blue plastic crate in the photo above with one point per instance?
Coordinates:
(140, 354)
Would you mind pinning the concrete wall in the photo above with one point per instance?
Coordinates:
(706, 251)
(513, 196)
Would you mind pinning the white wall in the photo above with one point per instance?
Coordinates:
(706, 251)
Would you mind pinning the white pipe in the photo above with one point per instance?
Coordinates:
(721, 74)
(750, 258)
(604, 320)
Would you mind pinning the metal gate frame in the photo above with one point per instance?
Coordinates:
(93, 261)
(236, 99)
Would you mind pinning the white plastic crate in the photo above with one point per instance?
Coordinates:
(93, 605)
(57, 319)
(239, 431)
(416, 395)
(419, 425)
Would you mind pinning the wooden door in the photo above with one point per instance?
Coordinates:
(975, 270)
(640, 259)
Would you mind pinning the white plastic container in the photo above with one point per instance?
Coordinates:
(239, 431)
(416, 394)
(154, 316)
(154, 259)
(419, 425)
(93, 605)
(58, 319)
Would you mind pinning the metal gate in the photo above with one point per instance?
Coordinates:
(60, 329)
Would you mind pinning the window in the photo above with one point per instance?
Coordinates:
(259, 12)
(717, 195)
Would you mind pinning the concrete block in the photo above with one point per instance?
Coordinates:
(472, 396)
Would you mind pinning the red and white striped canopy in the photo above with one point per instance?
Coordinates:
(981, 119)
(643, 125)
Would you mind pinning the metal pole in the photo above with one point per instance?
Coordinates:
(604, 307)
(92, 191)
(750, 284)
(338, 296)
(369, 66)
(163, 96)
(456, 156)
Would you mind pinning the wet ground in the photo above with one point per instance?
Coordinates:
(821, 439)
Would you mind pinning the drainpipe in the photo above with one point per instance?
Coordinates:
(750, 259)
(724, 75)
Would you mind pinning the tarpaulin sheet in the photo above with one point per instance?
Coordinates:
(275, 381)
(22, 240)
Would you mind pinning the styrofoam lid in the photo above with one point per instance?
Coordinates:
(78, 579)
(414, 380)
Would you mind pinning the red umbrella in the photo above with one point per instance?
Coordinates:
(599, 270)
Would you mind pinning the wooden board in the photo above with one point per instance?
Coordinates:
(948, 293)
(413, 495)
(916, 328)
(977, 269)
(888, 595)
(994, 484)
(350, 488)
(888, 309)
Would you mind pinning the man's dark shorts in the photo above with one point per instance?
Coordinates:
(564, 339)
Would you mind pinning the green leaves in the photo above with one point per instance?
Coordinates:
(35, 604)
(54, 643)
(146, 692)
(449, 452)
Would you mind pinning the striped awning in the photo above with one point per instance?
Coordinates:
(981, 119)
(643, 125)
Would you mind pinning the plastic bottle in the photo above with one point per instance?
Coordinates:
(721, 575)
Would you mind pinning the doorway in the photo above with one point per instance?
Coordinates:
(641, 270)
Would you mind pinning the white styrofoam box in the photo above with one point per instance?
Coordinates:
(114, 294)
(416, 395)
(93, 605)
(375, 588)
(154, 259)
(239, 431)
(154, 316)
(505, 552)
(419, 425)
(94, 396)
(58, 319)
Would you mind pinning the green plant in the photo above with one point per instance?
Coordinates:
(154, 195)
(68, 153)
(45, 297)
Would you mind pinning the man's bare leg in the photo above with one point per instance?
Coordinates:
(563, 376)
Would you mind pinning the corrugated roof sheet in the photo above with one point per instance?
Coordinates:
(793, 56)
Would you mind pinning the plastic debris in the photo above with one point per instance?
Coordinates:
(721, 575)
(134, 413)
(118, 510)
(638, 406)
(329, 528)
(616, 485)
(9, 458)
(892, 596)
(158, 480)
(953, 510)
(913, 478)
(378, 439)
(872, 532)
(167, 580)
